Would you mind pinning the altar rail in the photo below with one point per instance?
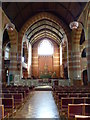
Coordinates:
(39, 82)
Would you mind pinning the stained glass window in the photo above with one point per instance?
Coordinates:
(45, 47)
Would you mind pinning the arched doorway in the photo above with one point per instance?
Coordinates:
(5, 57)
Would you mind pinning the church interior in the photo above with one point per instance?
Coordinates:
(45, 60)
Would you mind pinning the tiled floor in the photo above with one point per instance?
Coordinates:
(40, 105)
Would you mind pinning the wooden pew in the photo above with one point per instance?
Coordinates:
(8, 105)
(78, 109)
(65, 102)
(74, 109)
(72, 100)
(59, 96)
(18, 98)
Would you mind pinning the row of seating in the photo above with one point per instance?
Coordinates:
(71, 89)
(12, 98)
(60, 95)
(72, 103)
(78, 109)
(18, 98)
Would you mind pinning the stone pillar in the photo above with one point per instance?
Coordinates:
(70, 64)
(65, 60)
(61, 61)
(25, 52)
(29, 60)
(19, 54)
(13, 53)
(3, 68)
(88, 47)
(76, 56)
(35, 61)
(1, 34)
(56, 60)
(25, 70)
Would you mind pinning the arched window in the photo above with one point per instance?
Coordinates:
(45, 47)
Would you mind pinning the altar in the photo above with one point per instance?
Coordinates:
(46, 73)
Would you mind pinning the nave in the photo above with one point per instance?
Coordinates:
(45, 43)
(40, 104)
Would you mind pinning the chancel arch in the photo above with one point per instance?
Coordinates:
(45, 28)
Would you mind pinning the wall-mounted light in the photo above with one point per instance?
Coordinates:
(75, 25)
(10, 26)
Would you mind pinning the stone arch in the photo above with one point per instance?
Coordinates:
(37, 18)
(31, 21)
(88, 43)
(12, 64)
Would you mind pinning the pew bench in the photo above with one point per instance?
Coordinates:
(18, 98)
(8, 106)
(78, 109)
(64, 103)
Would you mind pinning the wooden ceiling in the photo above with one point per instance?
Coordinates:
(20, 12)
